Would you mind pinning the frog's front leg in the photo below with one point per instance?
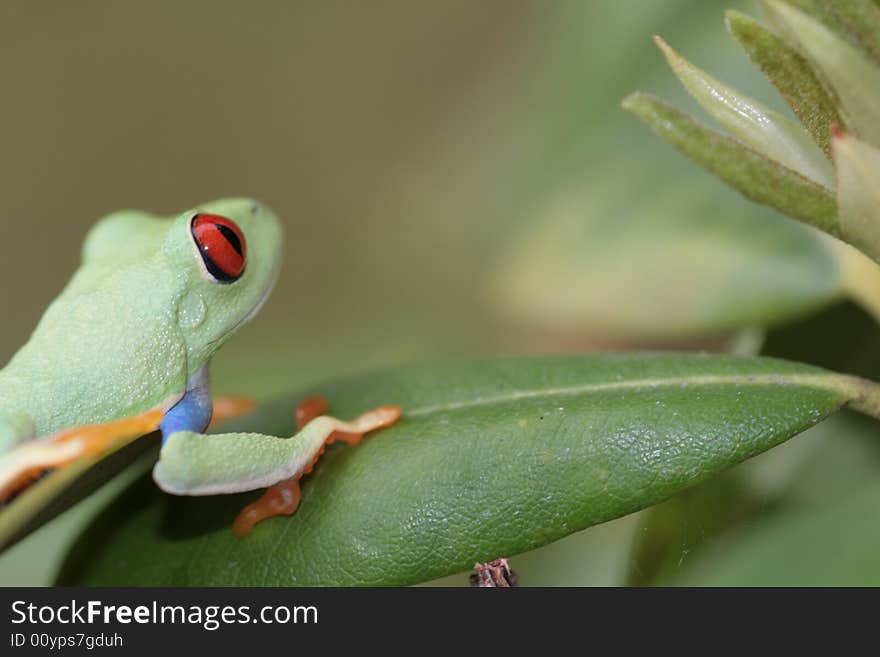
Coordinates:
(29, 460)
(195, 464)
(24, 464)
(284, 497)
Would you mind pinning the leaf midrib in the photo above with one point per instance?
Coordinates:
(853, 388)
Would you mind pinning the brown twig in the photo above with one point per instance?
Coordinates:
(497, 573)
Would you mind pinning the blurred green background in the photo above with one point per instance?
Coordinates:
(408, 148)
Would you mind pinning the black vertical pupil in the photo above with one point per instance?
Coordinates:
(230, 236)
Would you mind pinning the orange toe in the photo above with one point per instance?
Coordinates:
(280, 499)
(309, 409)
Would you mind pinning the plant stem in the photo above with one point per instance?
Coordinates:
(864, 394)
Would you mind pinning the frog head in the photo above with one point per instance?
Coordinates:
(192, 279)
(225, 256)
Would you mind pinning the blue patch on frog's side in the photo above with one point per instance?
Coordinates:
(193, 412)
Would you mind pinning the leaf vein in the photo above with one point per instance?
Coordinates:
(849, 386)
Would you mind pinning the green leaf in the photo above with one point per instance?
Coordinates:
(60, 489)
(823, 466)
(752, 174)
(858, 21)
(762, 129)
(810, 7)
(672, 266)
(682, 526)
(843, 338)
(790, 73)
(835, 545)
(854, 79)
(598, 556)
(491, 458)
(861, 19)
(858, 194)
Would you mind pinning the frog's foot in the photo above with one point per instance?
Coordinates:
(309, 409)
(25, 464)
(278, 500)
(283, 498)
(228, 408)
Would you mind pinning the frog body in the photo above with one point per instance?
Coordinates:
(125, 350)
(139, 318)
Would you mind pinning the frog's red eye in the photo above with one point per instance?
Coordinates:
(221, 245)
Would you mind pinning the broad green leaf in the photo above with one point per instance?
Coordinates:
(790, 73)
(491, 458)
(858, 193)
(854, 79)
(762, 129)
(654, 273)
(752, 174)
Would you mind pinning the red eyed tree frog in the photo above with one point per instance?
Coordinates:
(125, 348)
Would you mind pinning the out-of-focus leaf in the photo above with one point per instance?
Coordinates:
(654, 273)
(679, 528)
(854, 79)
(823, 468)
(790, 74)
(751, 173)
(844, 458)
(762, 129)
(858, 21)
(810, 7)
(598, 556)
(861, 279)
(834, 545)
(827, 463)
(861, 19)
(61, 489)
(491, 458)
(858, 193)
(843, 338)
